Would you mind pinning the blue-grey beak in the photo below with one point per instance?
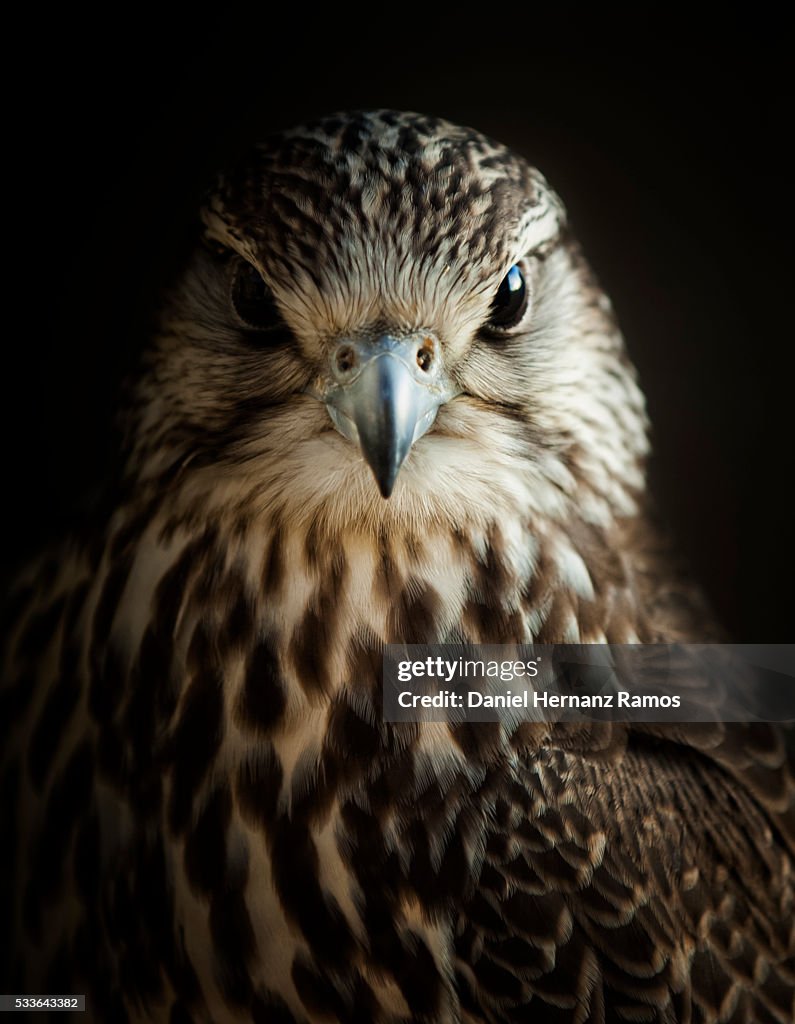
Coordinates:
(384, 395)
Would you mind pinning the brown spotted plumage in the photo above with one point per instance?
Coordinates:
(207, 818)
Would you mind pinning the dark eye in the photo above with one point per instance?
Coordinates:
(252, 299)
(510, 302)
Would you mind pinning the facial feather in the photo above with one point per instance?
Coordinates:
(410, 231)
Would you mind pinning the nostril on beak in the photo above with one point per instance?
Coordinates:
(383, 393)
(345, 359)
(426, 354)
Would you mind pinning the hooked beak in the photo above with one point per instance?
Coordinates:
(384, 395)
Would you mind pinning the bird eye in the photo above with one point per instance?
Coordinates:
(252, 299)
(510, 302)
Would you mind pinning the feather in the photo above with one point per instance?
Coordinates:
(207, 817)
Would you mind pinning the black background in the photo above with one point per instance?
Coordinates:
(670, 157)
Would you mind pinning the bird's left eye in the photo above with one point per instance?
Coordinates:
(510, 302)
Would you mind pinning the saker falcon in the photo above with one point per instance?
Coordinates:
(387, 402)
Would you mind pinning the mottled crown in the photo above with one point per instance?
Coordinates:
(371, 224)
(404, 185)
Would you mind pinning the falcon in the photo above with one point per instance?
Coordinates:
(387, 402)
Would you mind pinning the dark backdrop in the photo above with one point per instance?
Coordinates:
(669, 157)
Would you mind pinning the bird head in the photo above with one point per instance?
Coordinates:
(389, 321)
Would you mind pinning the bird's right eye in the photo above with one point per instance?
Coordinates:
(252, 299)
